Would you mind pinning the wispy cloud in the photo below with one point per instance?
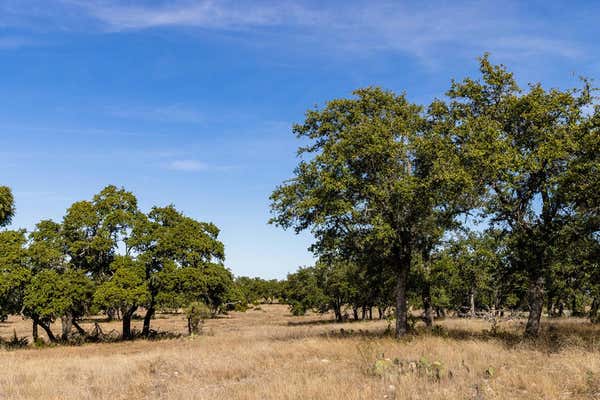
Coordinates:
(15, 42)
(191, 165)
(426, 30)
(419, 29)
(187, 166)
(204, 13)
(77, 131)
(170, 113)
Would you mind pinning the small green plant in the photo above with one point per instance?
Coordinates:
(434, 370)
(438, 330)
(390, 320)
(412, 323)
(383, 366)
(298, 309)
(196, 313)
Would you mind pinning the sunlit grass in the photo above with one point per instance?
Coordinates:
(267, 354)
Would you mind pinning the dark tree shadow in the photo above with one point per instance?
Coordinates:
(327, 321)
(553, 338)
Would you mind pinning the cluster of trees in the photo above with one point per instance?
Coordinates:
(257, 290)
(466, 275)
(341, 287)
(486, 199)
(107, 255)
(387, 186)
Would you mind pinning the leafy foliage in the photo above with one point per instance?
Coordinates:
(7, 206)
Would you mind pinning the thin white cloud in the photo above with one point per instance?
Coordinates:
(426, 30)
(206, 13)
(420, 29)
(15, 42)
(169, 113)
(187, 166)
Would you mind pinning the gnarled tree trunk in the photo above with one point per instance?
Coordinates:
(46, 329)
(79, 329)
(536, 304)
(66, 324)
(147, 319)
(126, 321)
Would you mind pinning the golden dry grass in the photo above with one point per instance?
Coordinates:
(267, 354)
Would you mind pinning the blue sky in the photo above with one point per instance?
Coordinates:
(191, 102)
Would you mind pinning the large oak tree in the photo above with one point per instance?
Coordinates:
(533, 154)
(373, 175)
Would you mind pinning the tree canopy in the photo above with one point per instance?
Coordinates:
(107, 255)
(7, 206)
(381, 182)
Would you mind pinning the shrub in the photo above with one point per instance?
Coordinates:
(196, 313)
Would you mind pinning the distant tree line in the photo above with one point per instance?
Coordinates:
(486, 199)
(254, 291)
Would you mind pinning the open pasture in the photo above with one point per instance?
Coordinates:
(266, 353)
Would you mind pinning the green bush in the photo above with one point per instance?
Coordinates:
(196, 313)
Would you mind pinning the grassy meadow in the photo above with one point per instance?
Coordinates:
(265, 353)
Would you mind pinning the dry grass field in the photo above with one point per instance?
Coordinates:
(267, 354)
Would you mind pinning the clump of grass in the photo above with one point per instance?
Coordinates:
(15, 342)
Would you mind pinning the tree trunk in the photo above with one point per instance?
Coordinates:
(370, 313)
(536, 304)
(561, 309)
(380, 312)
(440, 312)
(595, 311)
(48, 331)
(472, 303)
(126, 321)
(66, 324)
(34, 331)
(575, 311)
(194, 326)
(79, 329)
(355, 312)
(495, 303)
(401, 295)
(337, 311)
(147, 319)
(427, 306)
(551, 305)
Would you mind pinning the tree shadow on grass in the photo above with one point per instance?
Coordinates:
(327, 321)
(553, 338)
